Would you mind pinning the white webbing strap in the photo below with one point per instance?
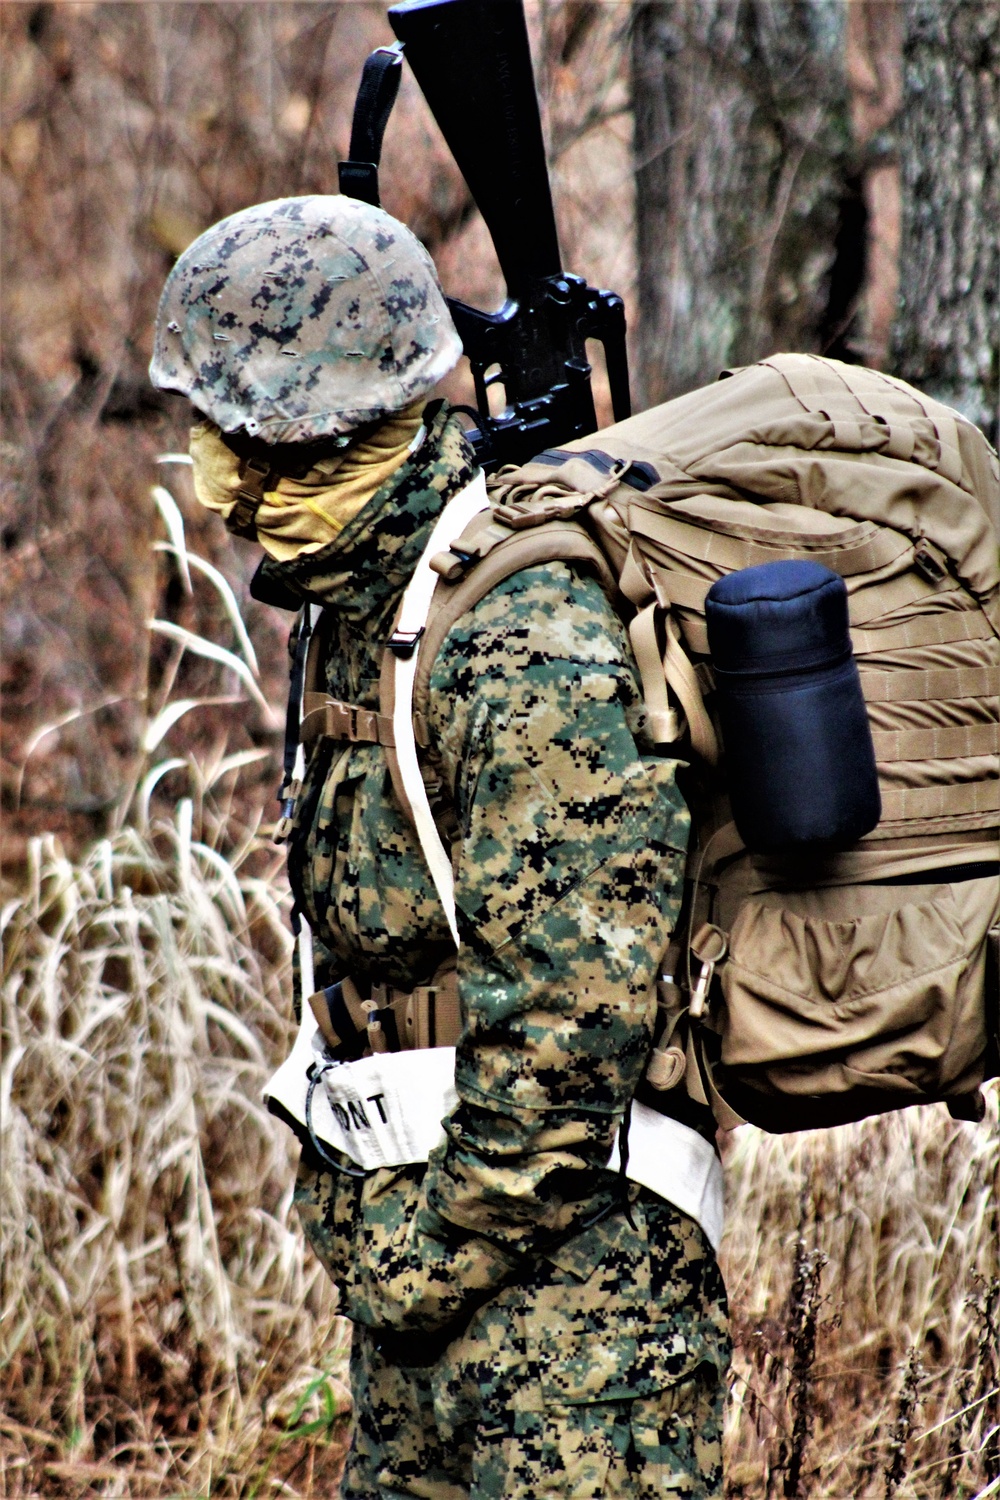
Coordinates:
(412, 618)
(307, 978)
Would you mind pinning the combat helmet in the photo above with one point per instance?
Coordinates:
(303, 318)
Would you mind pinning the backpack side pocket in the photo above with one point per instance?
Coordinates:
(849, 1001)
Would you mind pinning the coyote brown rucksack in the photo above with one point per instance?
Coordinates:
(813, 989)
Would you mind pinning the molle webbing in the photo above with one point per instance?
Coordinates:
(390, 1020)
(330, 718)
(869, 546)
(881, 400)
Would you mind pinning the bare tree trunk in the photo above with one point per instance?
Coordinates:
(947, 332)
(741, 148)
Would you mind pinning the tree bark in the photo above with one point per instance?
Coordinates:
(947, 330)
(742, 143)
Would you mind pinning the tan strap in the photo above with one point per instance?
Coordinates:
(860, 389)
(870, 601)
(867, 602)
(949, 743)
(447, 1011)
(698, 1074)
(879, 546)
(353, 1004)
(329, 718)
(316, 654)
(681, 677)
(879, 393)
(925, 686)
(951, 800)
(942, 629)
(890, 407)
(242, 518)
(944, 423)
(682, 589)
(695, 633)
(387, 704)
(664, 727)
(478, 539)
(635, 583)
(821, 399)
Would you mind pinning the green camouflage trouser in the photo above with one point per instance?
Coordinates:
(601, 1375)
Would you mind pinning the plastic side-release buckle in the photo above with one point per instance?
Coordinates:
(287, 799)
(242, 518)
(453, 564)
(930, 561)
(403, 643)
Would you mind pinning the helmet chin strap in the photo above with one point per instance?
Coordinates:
(255, 477)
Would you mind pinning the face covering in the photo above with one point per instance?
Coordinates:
(304, 514)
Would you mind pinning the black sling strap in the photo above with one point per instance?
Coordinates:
(376, 96)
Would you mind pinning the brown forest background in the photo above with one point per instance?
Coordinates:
(750, 175)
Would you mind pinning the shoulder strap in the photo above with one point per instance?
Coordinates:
(426, 615)
(399, 664)
(553, 541)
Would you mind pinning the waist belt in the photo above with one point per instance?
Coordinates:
(387, 1111)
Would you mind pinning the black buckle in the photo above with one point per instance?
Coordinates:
(926, 563)
(403, 643)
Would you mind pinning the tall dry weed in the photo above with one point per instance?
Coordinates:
(162, 1330)
(864, 1272)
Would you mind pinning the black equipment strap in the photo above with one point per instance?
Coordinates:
(294, 703)
(376, 96)
(352, 1039)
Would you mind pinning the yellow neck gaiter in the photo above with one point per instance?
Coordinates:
(303, 515)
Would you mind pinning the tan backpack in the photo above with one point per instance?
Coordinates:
(811, 990)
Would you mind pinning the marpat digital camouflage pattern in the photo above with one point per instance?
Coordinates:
(303, 318)
(561, 1349)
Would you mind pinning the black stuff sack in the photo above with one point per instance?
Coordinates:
(800, 764)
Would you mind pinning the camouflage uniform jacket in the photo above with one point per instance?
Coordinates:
(568, 863)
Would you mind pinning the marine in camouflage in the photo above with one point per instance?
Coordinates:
(304, 318)
(521, 1328)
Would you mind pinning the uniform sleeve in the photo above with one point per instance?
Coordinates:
(568, 883)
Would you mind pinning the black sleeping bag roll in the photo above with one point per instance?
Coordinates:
(799, 758)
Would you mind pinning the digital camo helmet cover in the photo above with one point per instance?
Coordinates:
(303, 318)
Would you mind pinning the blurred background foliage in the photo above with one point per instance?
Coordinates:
(749, 174)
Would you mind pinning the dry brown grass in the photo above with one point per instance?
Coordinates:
(162, 1330)
(164, 1333)
(863, 1270)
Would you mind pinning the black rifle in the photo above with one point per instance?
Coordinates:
(473, 63)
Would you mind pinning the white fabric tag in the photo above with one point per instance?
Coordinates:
(381, 1111)
(387, 1111)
